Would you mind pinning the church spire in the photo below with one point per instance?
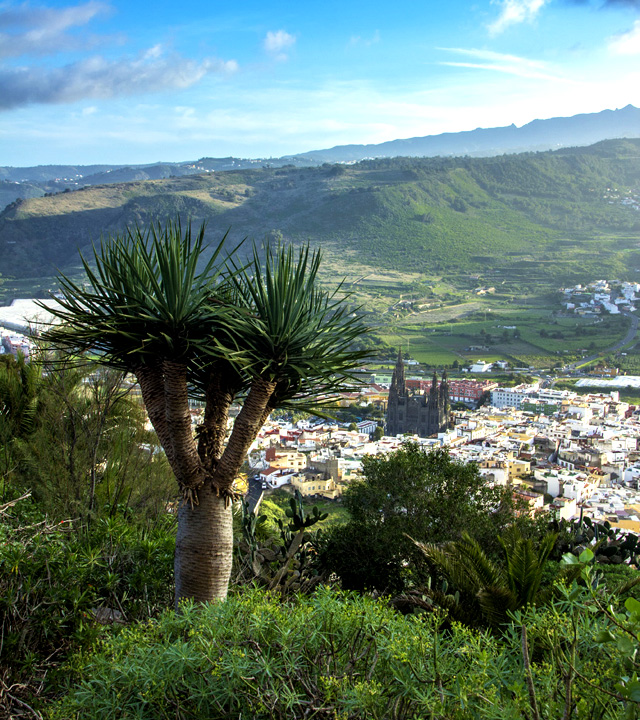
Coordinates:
(398, 379)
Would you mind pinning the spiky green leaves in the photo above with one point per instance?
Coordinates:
(295, 333)
(145, 301)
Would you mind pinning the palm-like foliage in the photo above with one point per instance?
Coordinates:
(19, 387)
(264, 333)
(487, 591)
(146, 299)
(19, 381)
(294, 333)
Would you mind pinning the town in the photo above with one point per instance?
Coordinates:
(574, 455)
(568, 453)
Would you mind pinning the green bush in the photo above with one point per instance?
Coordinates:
(338, 656)
(412, 494)
(57, 581)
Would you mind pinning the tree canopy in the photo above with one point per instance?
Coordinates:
(262, 333)
(411, 493)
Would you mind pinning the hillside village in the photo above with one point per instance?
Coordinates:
(601, 296)
(560, 451)
(573, 454)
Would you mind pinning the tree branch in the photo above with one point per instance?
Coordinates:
(186, 461)
(245, 430)
(211, 434)
(151, 381)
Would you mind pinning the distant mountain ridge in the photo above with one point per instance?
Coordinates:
(537, 135)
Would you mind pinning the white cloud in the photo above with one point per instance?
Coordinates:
(514, 12)
(31, 31)
(276, 42)
(502, 63)
(627, 43)
(96, 77)
(43, 31)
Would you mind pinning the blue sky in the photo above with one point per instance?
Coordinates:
(120, 81)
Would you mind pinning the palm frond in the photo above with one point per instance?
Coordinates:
(496, 601)
(145, 300)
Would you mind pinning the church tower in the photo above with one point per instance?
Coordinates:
(397, 399)
(445, 402)
(433, 408)
(398, 386)
(423, 414)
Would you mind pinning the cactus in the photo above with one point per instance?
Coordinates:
(609, 545)
(285, 564)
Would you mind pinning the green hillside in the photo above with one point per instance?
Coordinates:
(553, 216)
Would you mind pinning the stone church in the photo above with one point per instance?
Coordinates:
(419, 414)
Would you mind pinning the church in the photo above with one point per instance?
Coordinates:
(419, 414)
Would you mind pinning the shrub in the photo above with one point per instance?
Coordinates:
(339, 656)
(57, 581)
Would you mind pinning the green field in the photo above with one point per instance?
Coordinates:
(442, 325)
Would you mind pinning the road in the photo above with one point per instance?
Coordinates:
(631, 334)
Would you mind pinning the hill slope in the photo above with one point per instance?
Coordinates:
(563, 214)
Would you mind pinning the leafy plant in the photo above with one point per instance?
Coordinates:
(60, 583)
(335, 655)
(487, 591)
(263, 334)
(411, 492)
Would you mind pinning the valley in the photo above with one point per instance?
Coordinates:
(454, 259)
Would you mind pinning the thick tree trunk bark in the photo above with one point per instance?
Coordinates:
(204, 543)
(212, 432)
(151, 381)
(245, 430)
(186, 461)
(204, 548)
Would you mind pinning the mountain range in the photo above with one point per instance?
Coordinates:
(558, 216)
(538, 135)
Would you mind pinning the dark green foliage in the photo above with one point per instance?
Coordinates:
(87, 452)
(19, 381)
(148, 299)
(58, 579)
(620, 579)
(91, 540)
(289, 330)
(425, 495)
(19, 387)
(343, 656)
(486, 591)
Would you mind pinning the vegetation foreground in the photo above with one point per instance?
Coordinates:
(462, 606)
(347, 656)
(85, 635)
